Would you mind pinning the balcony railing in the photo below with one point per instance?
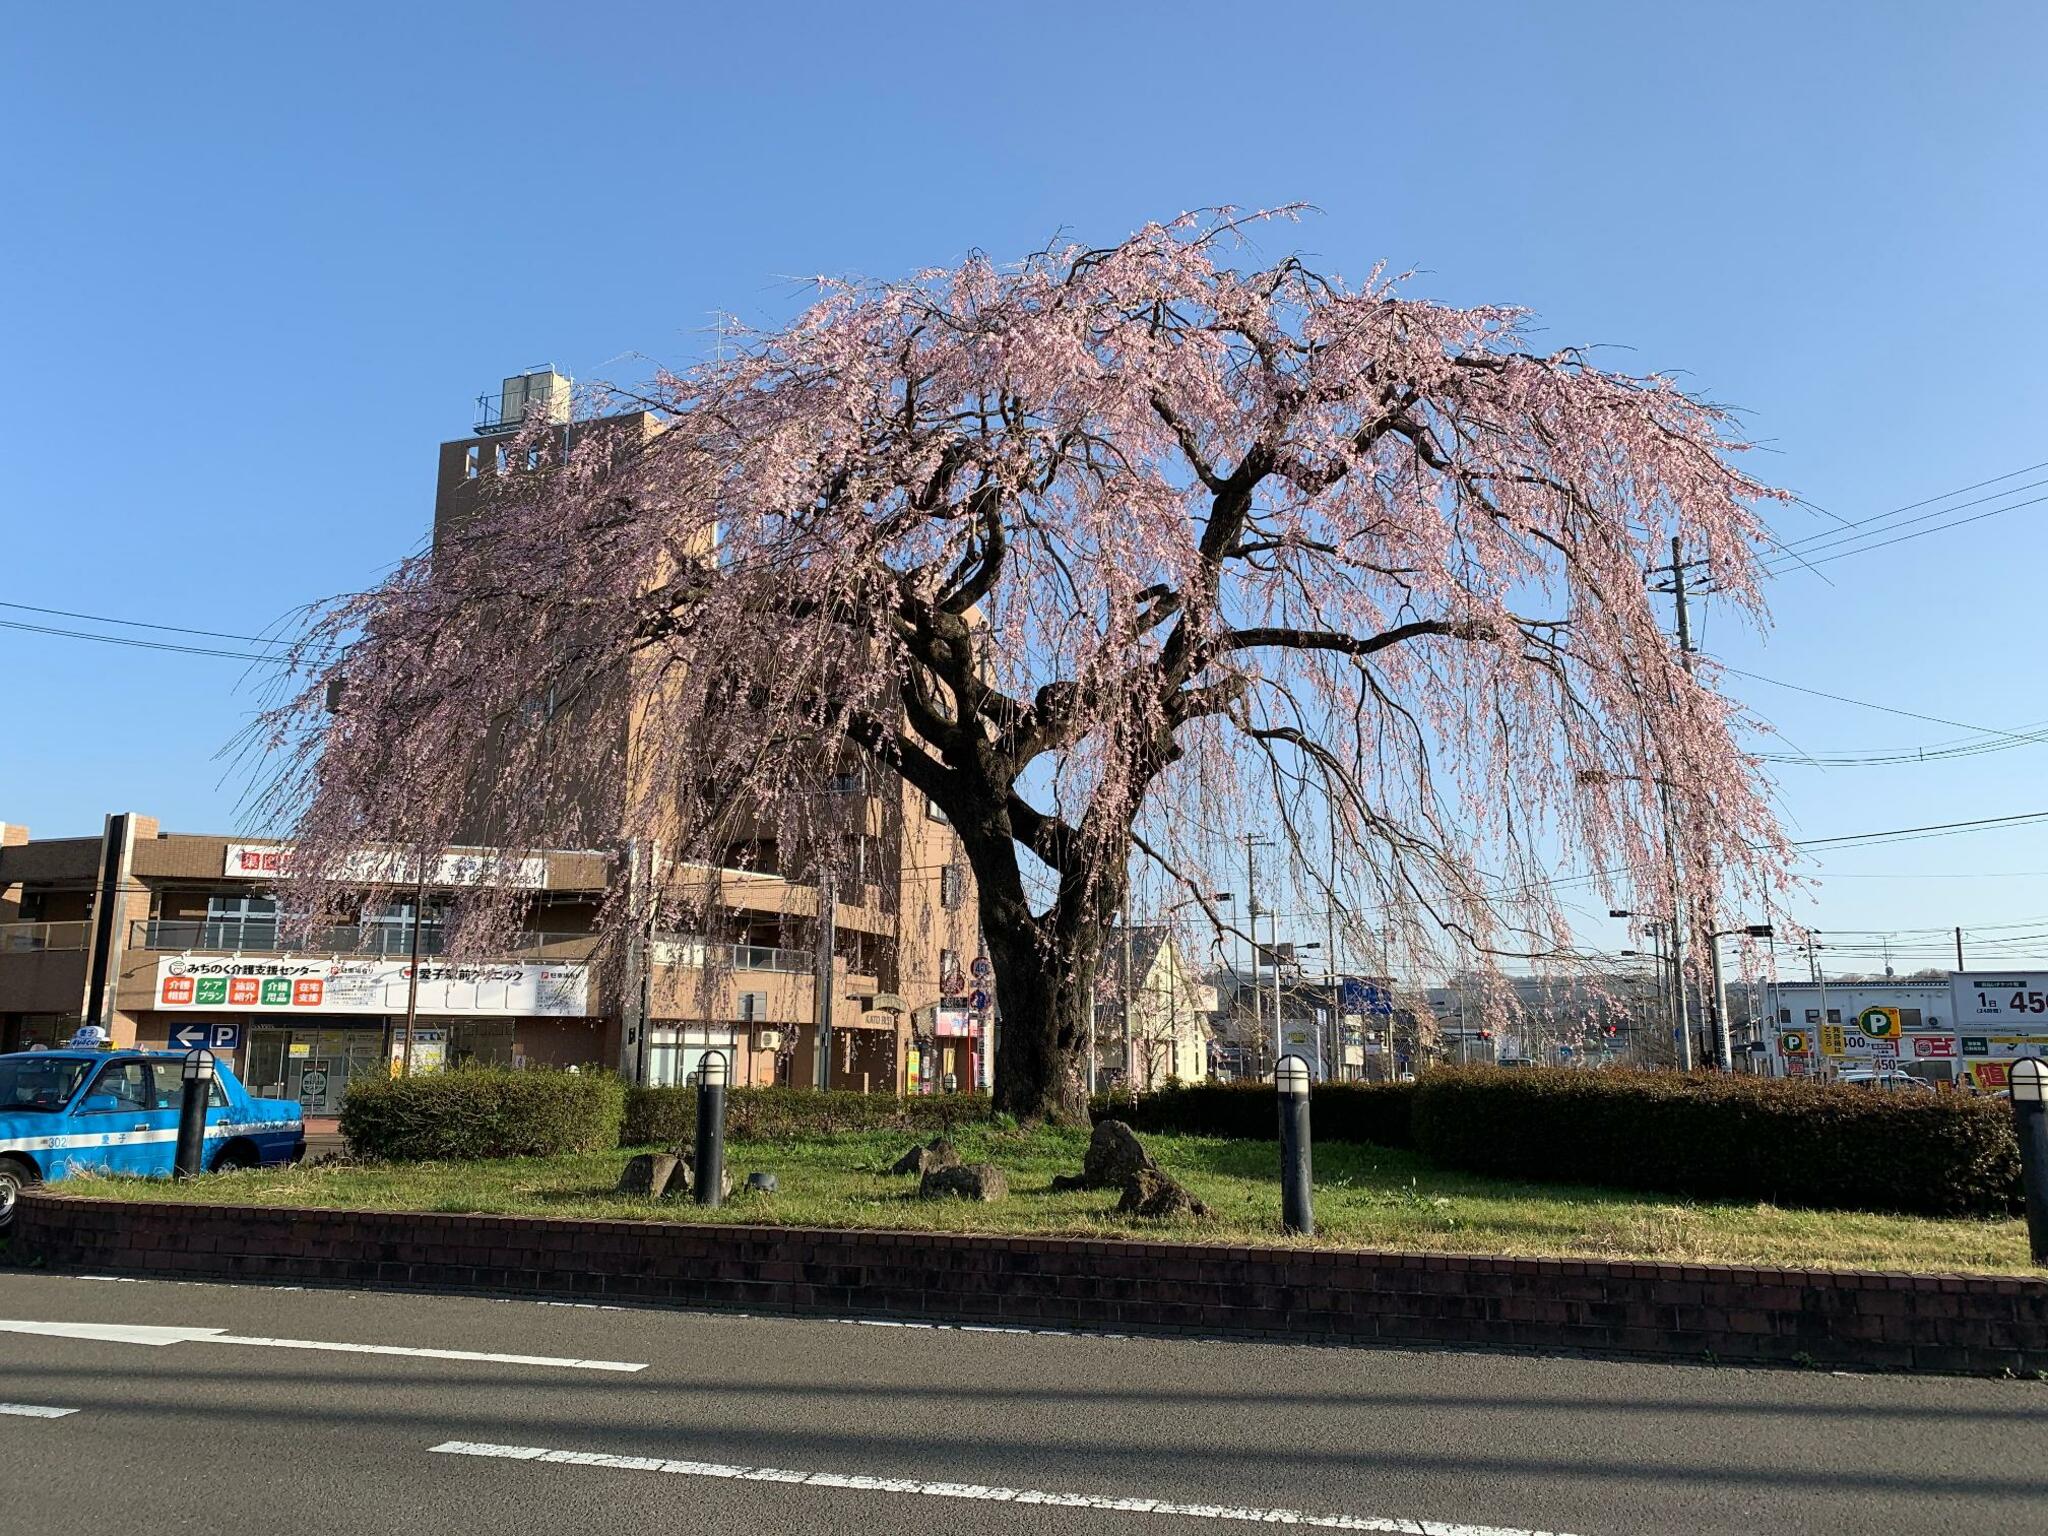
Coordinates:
(389, 940)
(32, 938)
(680, 949)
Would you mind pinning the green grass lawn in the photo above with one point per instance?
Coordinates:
(1366, 1197)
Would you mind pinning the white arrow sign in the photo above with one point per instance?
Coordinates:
(138, 1333)
(191, 1038)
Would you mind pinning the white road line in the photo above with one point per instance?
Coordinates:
(35, 1411)
(137, 1333)
(111, 1333)
(560, 1362)
(916, 1486)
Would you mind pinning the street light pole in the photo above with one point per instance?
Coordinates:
(412, 975)
(1130, 984)
(1251, 896)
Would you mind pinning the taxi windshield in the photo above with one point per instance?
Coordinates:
(39, 1082)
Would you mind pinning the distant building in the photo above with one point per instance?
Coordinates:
(1152, 1015)
(1350, 1028)
(1594, 1019)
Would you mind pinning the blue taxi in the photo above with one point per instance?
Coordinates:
(85, 1110)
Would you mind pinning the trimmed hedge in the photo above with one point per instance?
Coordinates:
(1380, 1113)
(1716, 1137)
(479, 1112)
(667, 1117)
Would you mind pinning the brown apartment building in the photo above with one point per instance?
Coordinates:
(168, 938)
(174, 940)
(902, 931)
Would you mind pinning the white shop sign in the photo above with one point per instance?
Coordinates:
(290, 987)
(2009, 1000)
(477, 866)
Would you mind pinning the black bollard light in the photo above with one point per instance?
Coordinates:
(189, 1159)
(2029, 1079)
(711, 1128)
(1297, 1177)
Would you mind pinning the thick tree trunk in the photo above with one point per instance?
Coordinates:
(1042, 1030)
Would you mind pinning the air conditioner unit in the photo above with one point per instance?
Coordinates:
(768, 1039)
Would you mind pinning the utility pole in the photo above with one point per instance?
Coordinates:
(647, 968)
(1959, 950)
(412, 975)
(828, 913)
(634, 994)
(1251, 893)
(1724, 1045)
(1130, 982)
(1681, 1015)
(1820, 977)
(1279, 1014)
(1336, 1016)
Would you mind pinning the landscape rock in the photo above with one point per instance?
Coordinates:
(933, 1155)
(650, 1173)
(682, 1182)
(967, 1181)
(1114, 1155)
(1148, 1192)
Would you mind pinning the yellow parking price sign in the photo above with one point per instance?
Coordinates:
(1879, 1023)
(1834, 1040)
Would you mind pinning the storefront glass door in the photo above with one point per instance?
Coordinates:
(313, 1066)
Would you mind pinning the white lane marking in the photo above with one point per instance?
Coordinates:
(136, 1333)
(911, 1485)
(111, 1333)
(432, 1354)
(35, 1411)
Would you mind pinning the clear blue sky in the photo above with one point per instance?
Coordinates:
(259, 260)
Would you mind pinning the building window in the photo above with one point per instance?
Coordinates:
(387, 930)
(1813, 1015)
(932, 811)
(1834, 1015)
(533, 457)
(469, 461)
(1784, 1015)
(502, 462)
(240, 922)
(753, 1007)
(952, 887)
(951, 978)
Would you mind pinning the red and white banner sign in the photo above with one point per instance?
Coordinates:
(475, 866)
(1934, 1045)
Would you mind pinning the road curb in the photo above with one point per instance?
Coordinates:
(1859, 1319)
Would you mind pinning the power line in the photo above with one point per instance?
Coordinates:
(176, 629)
(142, 645)
(1848, 532)
(2014, 738)
(1910, 834)
(1909, 506)
(1902, 538)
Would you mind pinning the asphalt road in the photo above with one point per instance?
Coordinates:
(739, 1424)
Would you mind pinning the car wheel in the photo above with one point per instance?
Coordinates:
(15, 1176)
(234, 1157)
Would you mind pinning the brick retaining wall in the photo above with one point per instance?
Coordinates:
(1842, 1318)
